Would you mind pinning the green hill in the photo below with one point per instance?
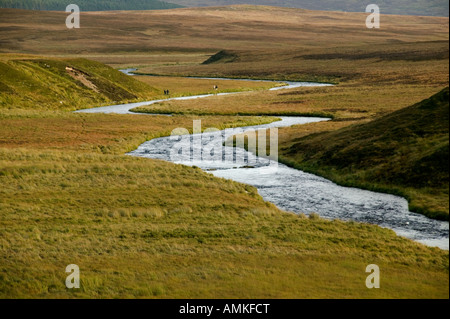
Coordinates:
(65, 84)
(403, 7)
(88, 5)
(406, 152)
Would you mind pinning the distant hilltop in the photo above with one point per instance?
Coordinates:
(88, 5)
(437, 8)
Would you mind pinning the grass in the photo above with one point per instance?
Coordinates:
(378, 64)
(148, 229)
(124, 35)
(142, 228)
(180, 86)
(36, 82)
(107, 134)
(343, 102)
(92, 83)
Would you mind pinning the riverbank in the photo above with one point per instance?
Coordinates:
(404, 153)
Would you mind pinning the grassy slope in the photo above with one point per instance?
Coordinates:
(45, 83)
(405, 152)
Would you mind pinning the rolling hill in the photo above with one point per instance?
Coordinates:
(38, 82)
(405, 152)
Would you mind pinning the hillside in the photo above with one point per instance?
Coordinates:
(406, 152)
(88, 5)
(403, 7)
(206, 31)
(29, 82)
(143, 228)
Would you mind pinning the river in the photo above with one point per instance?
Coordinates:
(288, 188)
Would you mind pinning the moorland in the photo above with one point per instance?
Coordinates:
(141, 228)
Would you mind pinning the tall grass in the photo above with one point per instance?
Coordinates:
(142, 228)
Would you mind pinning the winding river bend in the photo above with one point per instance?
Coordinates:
(288, 188)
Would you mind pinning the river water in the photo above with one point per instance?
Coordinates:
(288, 188)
